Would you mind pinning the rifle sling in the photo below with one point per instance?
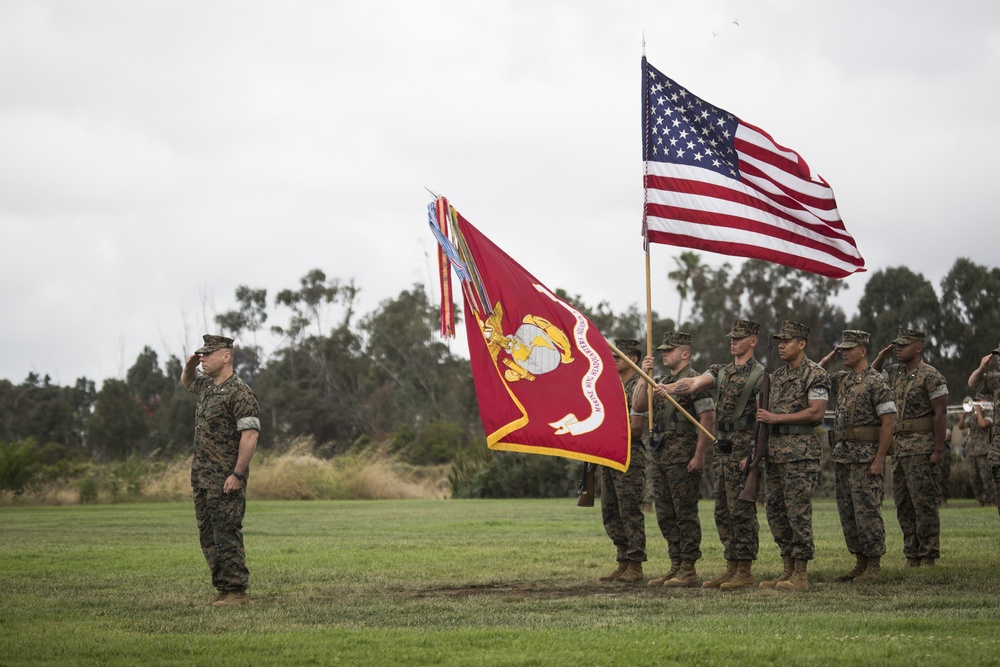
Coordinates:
(728, 427)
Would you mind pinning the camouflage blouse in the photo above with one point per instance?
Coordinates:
(223, 412)
(791, 391)
(991, 386)
(733, 381)
(680, 444)
(925, 384)
(629, 388)
(735, 377)
(977, 442)
(862, 398)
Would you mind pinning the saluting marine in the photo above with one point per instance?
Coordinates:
(921, 396)
(862, 433)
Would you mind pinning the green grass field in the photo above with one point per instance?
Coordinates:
(464, 582)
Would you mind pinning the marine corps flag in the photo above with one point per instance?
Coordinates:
(545, 378)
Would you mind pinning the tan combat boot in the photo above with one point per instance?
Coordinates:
(674, 566)
(633, 572)
(799, 581)
(741, 578)
(859, 567)
(686, 577)
(218, 596)
(619, 571)
(232, 599)
(872, 571)
(785, 576)
(927, 562)
(726, 576)
(912, 562)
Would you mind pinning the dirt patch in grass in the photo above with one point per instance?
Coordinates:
(534, 590)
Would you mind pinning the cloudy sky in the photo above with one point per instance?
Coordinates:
(156, 155)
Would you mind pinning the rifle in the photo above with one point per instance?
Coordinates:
(761, 432)
(585, 495)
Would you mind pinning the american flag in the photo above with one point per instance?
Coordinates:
(716, 183)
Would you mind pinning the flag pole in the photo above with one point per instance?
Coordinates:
(649, 340)
(652, 384)
(645, 230)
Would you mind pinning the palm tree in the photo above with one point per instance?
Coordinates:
(689, 268)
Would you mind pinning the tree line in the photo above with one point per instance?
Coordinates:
(386, 377)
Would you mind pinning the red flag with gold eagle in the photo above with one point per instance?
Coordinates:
(545, 378)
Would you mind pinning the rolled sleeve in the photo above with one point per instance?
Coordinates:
(887, 408)
(938, 393)
(818, 394)
(248, 424)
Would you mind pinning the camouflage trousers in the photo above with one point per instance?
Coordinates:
(220, 529)
(915, 492)
(944, 474)
(675, 497)
(996, 485)
(735, 519)
(790, 487)
(621, 506)
(981, 476)
(859, 503)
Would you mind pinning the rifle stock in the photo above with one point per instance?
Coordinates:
(585, 496)
(751, 473)
(758, 446)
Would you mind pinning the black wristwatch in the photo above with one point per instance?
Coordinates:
(242, 477)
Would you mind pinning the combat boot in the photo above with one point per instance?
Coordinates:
(859, 567)
(741, 578)
(619, 571)
(218, 596)
(726, 576)
(799, 581)
(927, 562)
(686, 577)
(785, 576)
(633, 572)
(232, 599)
(872, 571)
(675, 564)
(912, 562)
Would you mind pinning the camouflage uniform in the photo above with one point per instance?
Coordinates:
(861, 400)
(735, 519)
(223, 412)
(991, 386)
(793, 456)
(914, 480)
(621, 492)
(977, 449)
(944, 470)
(675, 490)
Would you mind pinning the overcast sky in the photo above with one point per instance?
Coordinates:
(156, 155)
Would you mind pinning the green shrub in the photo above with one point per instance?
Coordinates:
(19, 465)
(483, 473)
(88, 489)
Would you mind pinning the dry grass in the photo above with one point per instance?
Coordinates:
(372, 475)
(296, 474)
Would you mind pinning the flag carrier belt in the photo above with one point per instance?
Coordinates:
(918, 425)
(728, 428)
(671, 427)
(793, 429)
(858, 434)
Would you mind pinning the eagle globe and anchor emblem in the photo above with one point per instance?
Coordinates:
(538, 347)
